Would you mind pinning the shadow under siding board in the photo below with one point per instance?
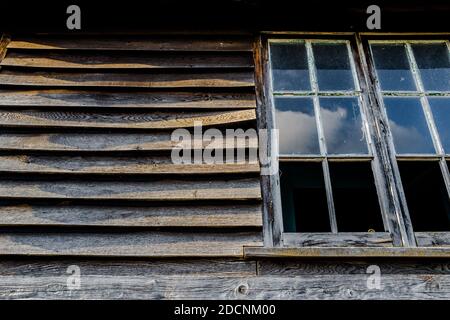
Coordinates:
(167, 43)
(192, 215)
(214, 79)
(103, 142)
(153, 120)
(163, 190)
(134, 60)
(119, 99)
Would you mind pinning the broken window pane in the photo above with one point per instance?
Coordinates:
(333, 67)
(303, 197)
(289, 67)
(441, 114)
(434, 64)
(393, 67)
(355, 197)
(297, 124)
(408, 125)
(342, 125)
(426, 195)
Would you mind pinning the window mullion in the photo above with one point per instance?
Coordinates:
(322, 143)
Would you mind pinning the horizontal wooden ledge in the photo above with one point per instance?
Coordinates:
(347, 252)
(109, 165)
(99, 142)
(229, 79)
(162, 190)
(86, 60)
(117, 99)
(198, 216)
(348, 239)
(128, 244)
(147, 120)
(187, 43)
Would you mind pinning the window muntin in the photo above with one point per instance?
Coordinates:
(418, 116)
(323, 124)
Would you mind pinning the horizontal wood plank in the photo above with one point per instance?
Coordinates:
(354, 239)
(142, 43)
(130, 80)
(154, 120)
(121, 216)
(117, 99)
(432, 239)
(100, 142)
(42, 59)
(174, 190)
(117, 165)
(128, 244)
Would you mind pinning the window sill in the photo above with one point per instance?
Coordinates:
(347, 252)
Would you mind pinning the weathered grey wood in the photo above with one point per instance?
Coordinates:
(118, 99)
(43, 59)
(341, 287)
(115, 165)
(433, 239)
(129, 80)
(154, 120)
(353, 239)
(107, 142)
(38, 267)
(239, 189)
(348, 252)
(142, 43)
(231, 215)
(128, 244)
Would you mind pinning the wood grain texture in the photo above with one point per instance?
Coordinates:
(119, 99)
(228, 216)
(154, 120)
(4, 41)
(164, 190)
(117, 165)
(130, 80)
(88, 60)
(433, 239)
(108, 142)
(127, 43)
(128, 244)
(337, 287)
(354, 239)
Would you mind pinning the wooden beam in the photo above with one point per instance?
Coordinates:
(343, 239)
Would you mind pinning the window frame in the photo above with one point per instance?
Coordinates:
(398, 228)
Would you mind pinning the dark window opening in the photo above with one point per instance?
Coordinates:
(426, 195)
(355, 197)
(304, 198)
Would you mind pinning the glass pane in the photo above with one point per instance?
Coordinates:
(297, 124)
(426, 195)
(303, 197)
(355, 197)
(408, 125)
(393, 68)
(333, 67)
(441, 114)
(434, 64)
(289, 67)
(342, 124)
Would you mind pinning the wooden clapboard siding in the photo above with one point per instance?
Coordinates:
(186, 43)
(218, 216)
(224, 79)
(157, 141)
(136, 244)
(110, 165)
(78, 179)
(153, 120)
(117, 99)
(39, 59)
(167, 190)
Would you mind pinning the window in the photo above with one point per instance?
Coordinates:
(337, 180)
